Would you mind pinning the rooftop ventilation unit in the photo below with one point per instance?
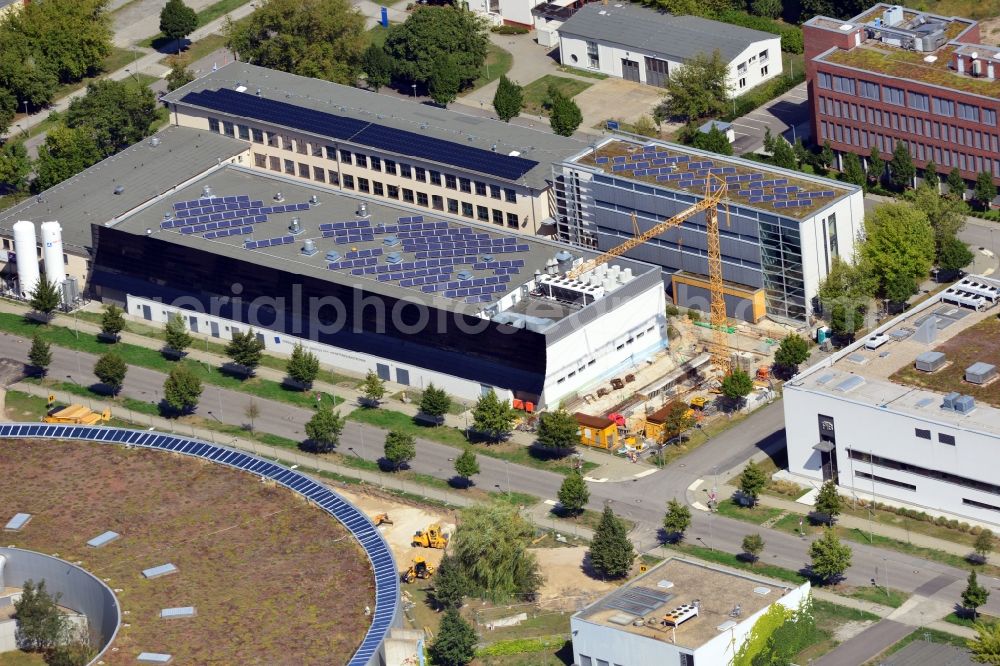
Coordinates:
(394, 257)
(314, 200)
(278, 196)
(168, 215)
(464, 275)
(309, 247)
(964, 404)
(206, 192)
(119, 189)
(930, 361)
(295, 227)
(949, 400)
(333, 255)
(391, 241)
(362, 209)
(154, 142)
(487, 258)
(980, 373)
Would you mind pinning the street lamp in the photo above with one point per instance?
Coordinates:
(413, 87)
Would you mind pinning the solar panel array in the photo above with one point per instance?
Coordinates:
(234, 231)
(220, 217)
(269, 242)
(383, 564)
(685, 172)
(362, 132)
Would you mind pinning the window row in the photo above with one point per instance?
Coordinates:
(942, 437)
(621, 345)
(383, 165)
(947, 477)
(943, 157)
(933, 129)
(940, 106)
(379, 189)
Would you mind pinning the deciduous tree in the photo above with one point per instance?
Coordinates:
(984, 544)
(898, 249)
(876, 166)
(65, 153)
(930, 176)
(611, 552)
(417, 44)
(41, 626)
(953, 255)
(737, 385)
(573, 494)
(112, 321)
(853, 172)
(377, 66)
(901, 169)
(449, 584)
(177, 21)
(373, 388)
(956, 184)
(245, 350)
(455, 643)
(946, 214)
(845, 294)
(400, 448)
(303, 365)
(676, 520)
(830, 557)
(182, 389)
(714, 140)
(70, 38)
(40, 354)
(508, 100)
(446, 80)
(252, 411)
(179, 74)
(558, 431)
(467, 465)
(985, 191)
(15, 166)
(753, 545)
(783, 155)
(828, 501)
(696, 89)
(110, 369)
(323, 430)
(491, 546)
(45, 297)
(116, 113)
(322, 39)
(492, 417)
(752, 481)
(177, 337)
(985, 647)
(766, 8)
(792, 351)
(679, 418)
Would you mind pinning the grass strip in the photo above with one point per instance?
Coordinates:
(730, 560)
(205, 16)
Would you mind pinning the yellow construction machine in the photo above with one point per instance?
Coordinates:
(431, 537)
(419, 569)
(382, 518)
(77, 415)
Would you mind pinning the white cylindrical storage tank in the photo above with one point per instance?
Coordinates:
(26, 249)
(52, 253)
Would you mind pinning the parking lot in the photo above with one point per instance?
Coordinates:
(787, 115)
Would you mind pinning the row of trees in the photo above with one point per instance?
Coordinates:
(793, 12)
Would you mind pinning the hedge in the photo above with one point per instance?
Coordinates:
(791, 36)
(522, 646)
(763, 94)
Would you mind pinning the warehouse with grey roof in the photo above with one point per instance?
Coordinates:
(646, 46)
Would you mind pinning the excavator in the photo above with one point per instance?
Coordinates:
(431, 537)
(382, 519)
(419, 569)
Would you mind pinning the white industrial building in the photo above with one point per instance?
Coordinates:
(678, 613)
(644, 45)
(867, 419)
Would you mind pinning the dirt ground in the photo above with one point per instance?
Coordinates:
(406, 519)
(565, 578)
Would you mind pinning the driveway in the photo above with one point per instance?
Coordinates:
(618, 99)
(787, 115)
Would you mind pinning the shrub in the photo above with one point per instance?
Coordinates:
(964, 527)
(510, 30)
(940, 521)
(975, 530)
(924, 516)
(953, 524)
(783, 487)
(791, 36)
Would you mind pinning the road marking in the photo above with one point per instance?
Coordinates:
(550, 502)
(700, 506)
(593, 480)
(988, 271)
(646, 473)
(694, 486)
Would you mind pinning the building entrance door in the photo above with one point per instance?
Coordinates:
(630, 70)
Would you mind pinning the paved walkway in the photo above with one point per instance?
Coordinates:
(610, 468)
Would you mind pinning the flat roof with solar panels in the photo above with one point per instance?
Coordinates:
(391, 250)
(752, 184)
(472, 143)
(683, 602)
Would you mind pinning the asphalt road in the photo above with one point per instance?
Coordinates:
(642, 500)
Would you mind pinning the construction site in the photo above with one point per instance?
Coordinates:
(632, 412)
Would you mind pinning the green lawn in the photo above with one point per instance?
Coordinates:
(388, 419)
(378, 34)
(537, 92)
(600, 76)
(966, 621)
(498, 62)
(757, 515)
(18, 658)
(829, 618)
(879, 595)
(728, 559)
(198, 50)
(205, 16)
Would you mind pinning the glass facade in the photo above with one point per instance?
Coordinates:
(781, 266)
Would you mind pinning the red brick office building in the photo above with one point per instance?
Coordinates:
(893, 74)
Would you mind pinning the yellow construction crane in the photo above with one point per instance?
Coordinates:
(715, 193)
